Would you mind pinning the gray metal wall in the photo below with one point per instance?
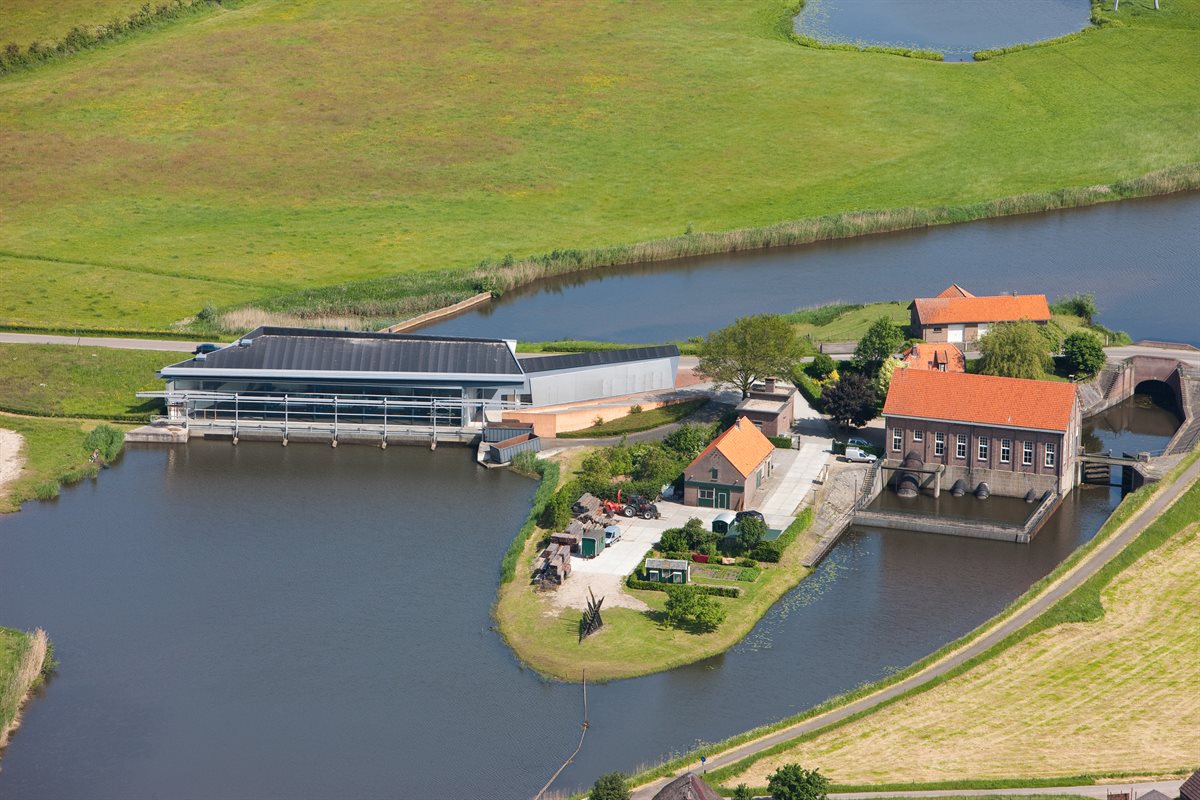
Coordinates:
(609, 380)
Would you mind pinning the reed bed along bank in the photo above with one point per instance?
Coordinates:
(382, 301)
(33, 662)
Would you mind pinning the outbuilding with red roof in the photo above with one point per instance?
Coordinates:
(1011, 433)
(959, 317)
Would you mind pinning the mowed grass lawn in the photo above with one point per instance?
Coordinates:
(66, 380)
(1118, 695)
(283, 145)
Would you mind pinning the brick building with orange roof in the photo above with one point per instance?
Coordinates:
(958, 317)
(730, 470)
(1013, 434)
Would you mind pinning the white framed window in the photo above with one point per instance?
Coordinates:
(937, 329)
(707, 494)
(1050, 454)
(918, 435)
(1027, 453)
(960, 445)
(939, 444)
(1005, 450)
(984, 446)
(897, 438)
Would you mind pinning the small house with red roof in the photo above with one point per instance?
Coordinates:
(1016, 435)
(938, 357)
(958, 317)
(731, 468)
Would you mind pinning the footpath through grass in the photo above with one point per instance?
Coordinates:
(641, 421)
(1082, 693)
(268, 152)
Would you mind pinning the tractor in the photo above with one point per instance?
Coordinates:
(637, 506)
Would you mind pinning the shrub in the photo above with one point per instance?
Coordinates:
(793, 782)
(687, 607)
(611, 786)
(107, 439)
(782, 442)
(635, 409)
(557, 513)
(1080, 304)
(770, 552)
(821, 367)
(689, 440)
(674, 540)
(1084, 353)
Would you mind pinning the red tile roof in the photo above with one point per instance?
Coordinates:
(932, 356)
(743, 445)
(954, 290)
(981, 399)
(999, 308)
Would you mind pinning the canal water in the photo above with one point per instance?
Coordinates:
(305, 622)
(955, 28)
(1137, 257)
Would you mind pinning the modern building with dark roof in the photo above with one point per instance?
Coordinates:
(292, 380)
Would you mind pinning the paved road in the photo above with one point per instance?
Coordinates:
(1115, 354)
(1169, 788)
(99, 341)
(1080, 573)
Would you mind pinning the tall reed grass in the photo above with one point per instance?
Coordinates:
(33, 664)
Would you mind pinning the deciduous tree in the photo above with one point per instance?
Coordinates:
(688, 607)
(751, 532)
(1084, 353)
(880, 342)
(1015, 350)
(611, 786)
(794, 782)
(750, 349)
(851, 400)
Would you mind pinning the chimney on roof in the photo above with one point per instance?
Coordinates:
(771, 385)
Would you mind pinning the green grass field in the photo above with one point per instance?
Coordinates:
(279, 147)
(26, 21)
(54, 453)
(644, 421)
(69, 381)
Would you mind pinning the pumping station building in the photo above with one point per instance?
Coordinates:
(277, 383)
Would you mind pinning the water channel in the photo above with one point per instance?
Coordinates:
(259, 621)
(956, 28)
(1137, 257)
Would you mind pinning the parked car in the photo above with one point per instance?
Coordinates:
(206, 348)
(858, 455)
(739, 516)
(855, 441)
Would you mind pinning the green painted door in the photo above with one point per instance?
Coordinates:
(722, 499)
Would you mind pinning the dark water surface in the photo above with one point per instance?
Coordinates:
(1138, 257)
(956, 28)
(256, 621)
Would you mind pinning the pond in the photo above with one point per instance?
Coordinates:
(306, 622)
(955, 28)
(1138, 258)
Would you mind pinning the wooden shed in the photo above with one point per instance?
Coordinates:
(667, 570)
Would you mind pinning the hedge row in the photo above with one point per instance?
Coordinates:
(782, 442)
(654, 586)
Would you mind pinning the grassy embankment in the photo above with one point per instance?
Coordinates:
(641, 421)
(1107, 684)
(55, 394)
(1124, 511)
(25, 661)
(632, 642)
(26, 21)
(129, 166)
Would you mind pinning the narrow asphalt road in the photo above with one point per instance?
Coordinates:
(99, 341)
(1080, 573)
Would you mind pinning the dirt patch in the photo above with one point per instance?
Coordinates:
(574, 593)
(11, 458)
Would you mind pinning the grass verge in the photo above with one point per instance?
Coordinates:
(54, 380)
(642, 421)
(25, 661)
(1128, 507)
(54, 454)
(632, 642)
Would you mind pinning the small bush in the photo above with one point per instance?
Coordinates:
(769, 552)
(46, 491)
(635, 409)
(107, 439)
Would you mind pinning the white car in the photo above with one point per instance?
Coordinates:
(860, 456)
